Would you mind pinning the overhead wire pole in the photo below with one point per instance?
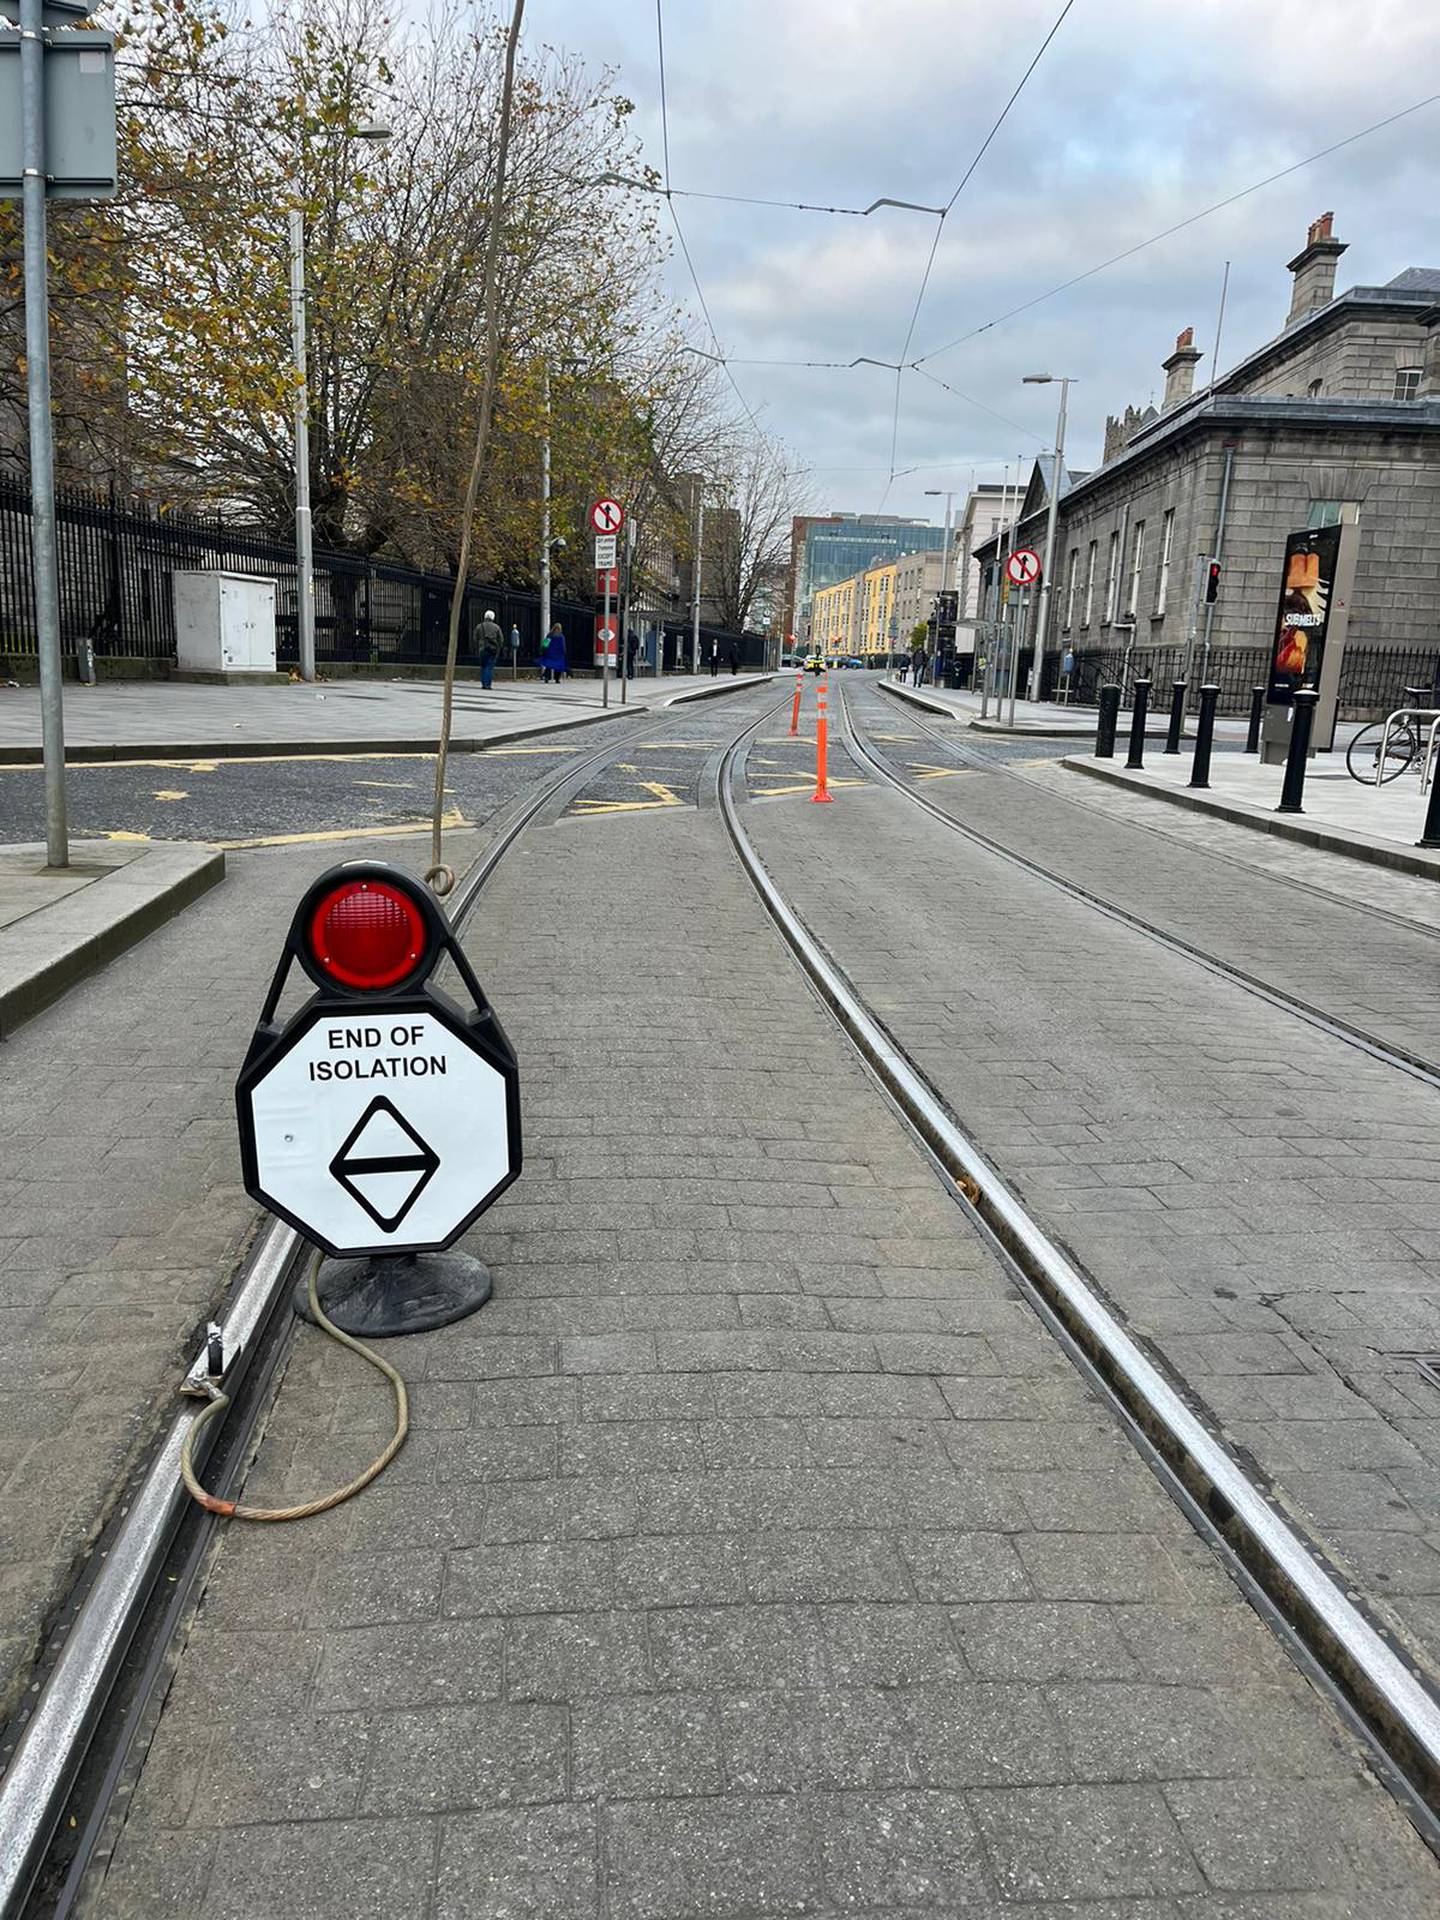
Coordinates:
(46, 575)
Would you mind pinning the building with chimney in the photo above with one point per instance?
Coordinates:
(1337, 417)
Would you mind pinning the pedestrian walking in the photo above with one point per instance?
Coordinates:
(918, 663)
(734, 659)
(714, 658)
(514, 653)
(491, 640)
(904, 667)
(552, 656)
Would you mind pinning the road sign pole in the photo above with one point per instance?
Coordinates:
(605, 647)
(46, 572)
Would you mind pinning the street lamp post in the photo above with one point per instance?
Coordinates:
(1042, 624)
(695, 605)
(304, 543)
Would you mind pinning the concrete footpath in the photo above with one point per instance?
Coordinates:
(142, 719)
(1342, 815)
(754, 1553)
(59, 924)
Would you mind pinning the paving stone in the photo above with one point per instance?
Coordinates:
(567, 1656)
(692, 1860)
(376, 1669)
(442, 1759)
(528, 1863)
(643, 1749)
(1082, 1843)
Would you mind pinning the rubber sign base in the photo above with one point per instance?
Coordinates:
(390, 1293)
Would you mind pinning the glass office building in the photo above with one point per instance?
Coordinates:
(843, 544)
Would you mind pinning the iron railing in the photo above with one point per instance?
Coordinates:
(1373, 680)
(116, 559)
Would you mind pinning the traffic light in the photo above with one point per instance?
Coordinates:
(1212, 581)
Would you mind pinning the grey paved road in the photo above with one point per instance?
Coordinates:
(1261, 1199)
(755, 1552)
(123, 1213)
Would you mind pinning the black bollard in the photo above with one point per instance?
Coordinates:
(1430, 836)
(1257, 708)
(1137, 725)
(1294, 788)
(1204, 735)
(1177, 717)
(1105, 730)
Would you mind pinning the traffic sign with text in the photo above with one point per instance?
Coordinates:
(381, 1117)
(605, 555)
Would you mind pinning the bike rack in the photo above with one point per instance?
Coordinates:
(1419, 715)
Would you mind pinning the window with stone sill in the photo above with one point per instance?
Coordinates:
(1407, 383)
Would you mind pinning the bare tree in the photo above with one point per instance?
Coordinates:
(751, 542)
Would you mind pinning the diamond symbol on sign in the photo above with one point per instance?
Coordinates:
(385, 1165)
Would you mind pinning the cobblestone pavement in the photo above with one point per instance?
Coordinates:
(1259, 1197)
(123, 1212)
(755, 1552)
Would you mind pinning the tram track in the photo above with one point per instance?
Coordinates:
(1376, 1686)
(1403, 1059)
(64, 1754)
(983, 759)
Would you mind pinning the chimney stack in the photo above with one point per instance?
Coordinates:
(1314, 270)
(1180, 370)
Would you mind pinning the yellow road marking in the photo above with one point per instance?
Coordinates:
(939, 773)
(664, 798)
(508, 753)
(807, 786)
(171, 793)
(231, 760)
(690, 746)
(450, 820)
(141, 839)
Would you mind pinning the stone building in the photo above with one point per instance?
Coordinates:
(1335, 418)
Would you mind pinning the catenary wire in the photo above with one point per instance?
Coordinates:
(680, 231)
(961, 185)
(1190, 220)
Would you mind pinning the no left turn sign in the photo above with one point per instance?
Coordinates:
(607, 516)
(1022, 569)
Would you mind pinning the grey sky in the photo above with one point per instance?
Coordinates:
(1140, 114)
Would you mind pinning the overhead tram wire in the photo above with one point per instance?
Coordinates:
(964, 181)
(680, 231)
(1190, 220)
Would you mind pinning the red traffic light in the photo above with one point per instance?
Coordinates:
(367, 934)
(1212, 581)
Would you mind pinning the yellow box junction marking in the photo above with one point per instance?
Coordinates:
(664, 798)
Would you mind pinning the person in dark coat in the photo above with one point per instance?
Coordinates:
(552, 655)
(491, 640)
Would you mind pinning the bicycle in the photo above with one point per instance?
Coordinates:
(1387, 748)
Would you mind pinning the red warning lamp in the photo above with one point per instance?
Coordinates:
(367, 934)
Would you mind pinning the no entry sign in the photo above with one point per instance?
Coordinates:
(382, 1117)
(607, 516)
(1022, 569)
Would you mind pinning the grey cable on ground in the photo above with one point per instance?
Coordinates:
(232, 1509)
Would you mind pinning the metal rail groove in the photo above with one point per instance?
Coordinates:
(1395, 1705)
(57, 1735)
(1385, 1051)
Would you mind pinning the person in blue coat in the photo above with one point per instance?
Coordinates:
(552, 655)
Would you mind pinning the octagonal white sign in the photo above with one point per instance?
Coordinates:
(382, 1129)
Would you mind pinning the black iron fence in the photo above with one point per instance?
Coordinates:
(1373, 680)
(116, 560)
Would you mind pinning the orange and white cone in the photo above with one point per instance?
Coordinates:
(822, 744)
